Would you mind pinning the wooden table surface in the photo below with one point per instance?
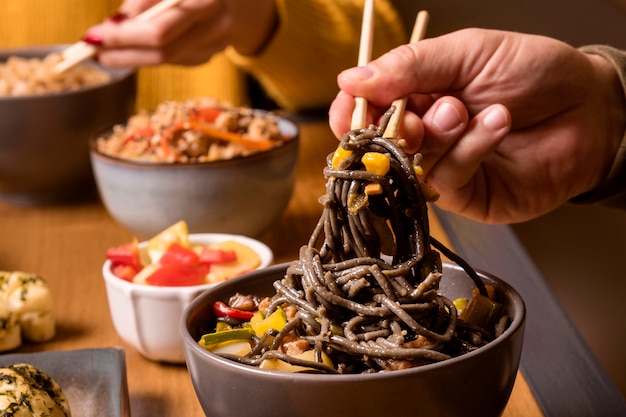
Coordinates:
(66, 243)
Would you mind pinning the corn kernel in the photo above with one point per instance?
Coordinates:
(376, 163)
(339, 155)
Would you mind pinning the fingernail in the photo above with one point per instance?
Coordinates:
(362, 73)
(92, 39)
(118, 17)
(495, 119)
(446, 117)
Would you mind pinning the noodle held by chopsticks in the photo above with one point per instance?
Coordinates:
(365, 287)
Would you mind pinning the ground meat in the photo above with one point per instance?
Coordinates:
(200, 130)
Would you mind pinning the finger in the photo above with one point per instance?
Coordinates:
(422, 68)
(132, 8)
(130, 57)
(412, 131)
(444, 124)
(455, 175)
(196, 45)
(340, 113)
(161, 29)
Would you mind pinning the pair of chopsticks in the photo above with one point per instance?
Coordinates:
(82, 51)
(359, 115)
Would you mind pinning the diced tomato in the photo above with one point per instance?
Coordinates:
(127, 254)
(125, 272)
(207, 114)
(145, 131)
(176, 254)
(210, 256)
(177, 276)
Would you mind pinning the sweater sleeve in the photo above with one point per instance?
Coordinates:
(612, 193)
(316, 40)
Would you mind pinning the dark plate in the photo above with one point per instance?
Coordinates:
(93, 380)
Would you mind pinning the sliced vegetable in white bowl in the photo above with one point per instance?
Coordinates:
(175, 258)
(147, 316)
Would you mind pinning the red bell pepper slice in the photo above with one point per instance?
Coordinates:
(206, 114)
(125, 272)
(224, 310)
(127, 254)
(217, 256)
(177, 276)
(176, 254)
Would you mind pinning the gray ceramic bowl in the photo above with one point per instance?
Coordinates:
(475, 384)
(44, 138)
(238, 196)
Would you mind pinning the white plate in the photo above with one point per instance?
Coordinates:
(93, 380)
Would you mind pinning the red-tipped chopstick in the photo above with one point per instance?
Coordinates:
(81, 51)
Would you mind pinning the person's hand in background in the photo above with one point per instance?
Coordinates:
(187, 34)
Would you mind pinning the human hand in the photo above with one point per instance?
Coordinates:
(188, 34)
(510, 125)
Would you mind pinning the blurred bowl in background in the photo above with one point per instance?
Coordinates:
(44, 155)
(243, 195)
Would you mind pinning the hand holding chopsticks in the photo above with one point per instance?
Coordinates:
(81, 51)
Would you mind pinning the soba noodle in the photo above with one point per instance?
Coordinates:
(365, 287)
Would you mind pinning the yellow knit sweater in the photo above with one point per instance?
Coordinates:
(316, 39)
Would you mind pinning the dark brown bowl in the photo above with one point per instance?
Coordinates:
(44, 137)
(474, 384)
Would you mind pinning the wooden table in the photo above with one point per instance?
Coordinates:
(66, 244)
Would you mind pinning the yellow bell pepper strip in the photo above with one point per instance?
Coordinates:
(223, 310)
(277, 320)
(460, 304)
(481, 311)
(178, 232)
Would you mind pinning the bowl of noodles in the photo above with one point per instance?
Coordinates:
(369, 320)
(46, 121)
(221, 169)
(478, 382)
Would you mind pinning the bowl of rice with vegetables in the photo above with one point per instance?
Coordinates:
(220, 168)
(47, 119)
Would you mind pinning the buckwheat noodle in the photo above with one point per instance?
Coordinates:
(372, 270)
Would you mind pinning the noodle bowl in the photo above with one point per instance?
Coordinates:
(477, 383)
(371, 294)
(386, 314)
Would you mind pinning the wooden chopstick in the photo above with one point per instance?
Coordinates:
(81, 51)
(419, 32)
(359, 115)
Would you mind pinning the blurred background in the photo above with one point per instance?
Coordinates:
(580, 250)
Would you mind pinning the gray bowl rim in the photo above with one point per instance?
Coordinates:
(516, 325)
(118, 75)
(286, 144)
